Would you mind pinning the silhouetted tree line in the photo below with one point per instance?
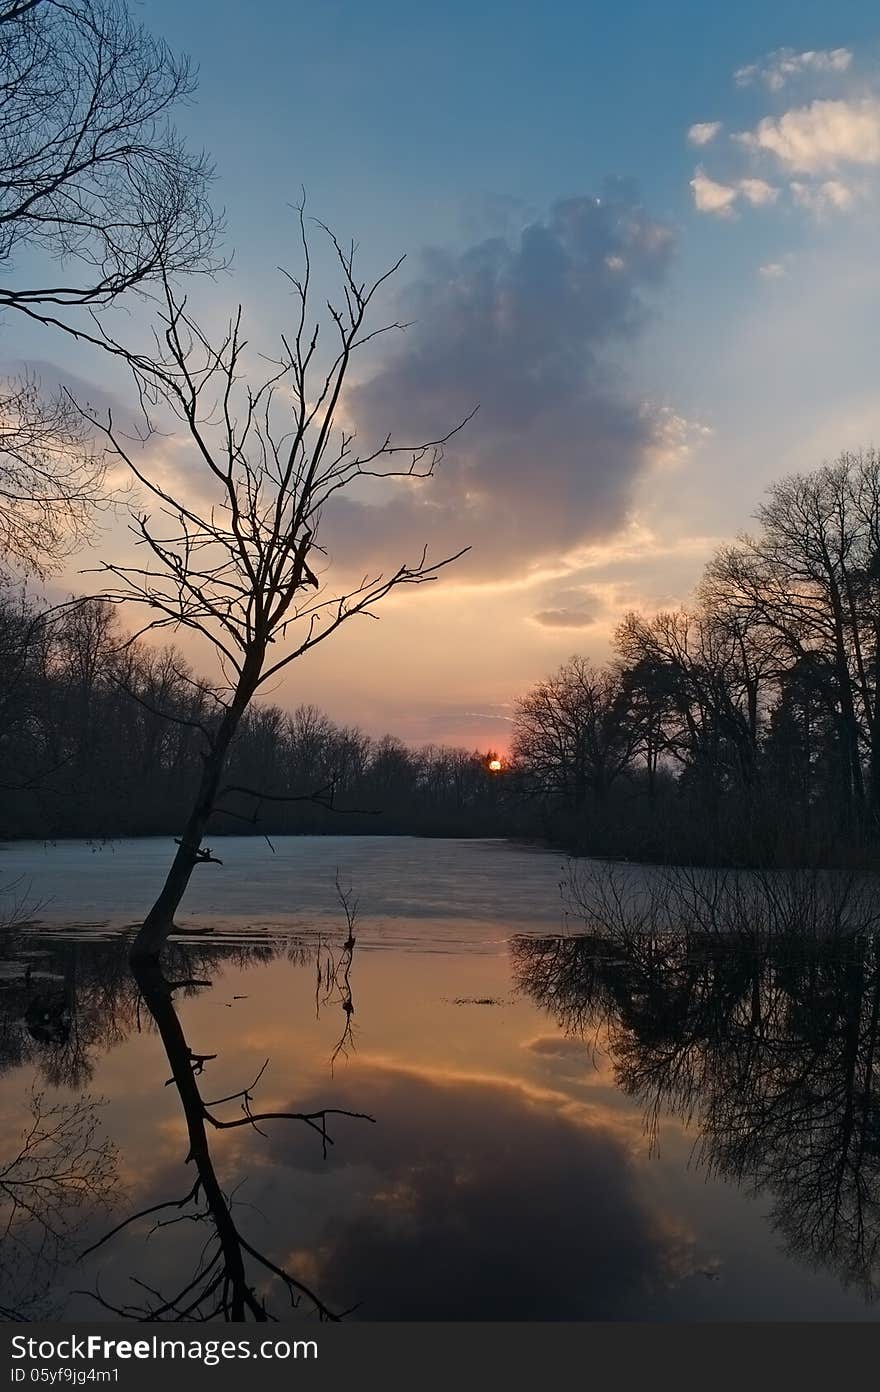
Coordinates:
(103, 737)
(745, 728)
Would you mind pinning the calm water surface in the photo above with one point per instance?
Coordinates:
(557, 1132)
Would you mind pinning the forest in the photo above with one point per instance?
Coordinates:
(742, 729)
(103, 737)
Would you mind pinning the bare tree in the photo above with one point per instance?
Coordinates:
(52, 480)
(572, 732)
(809, 582)
(245, 569)
(707, 684)
(98, 187)
(91, 170)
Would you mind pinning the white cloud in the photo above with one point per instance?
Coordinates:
(821, 151)
(676, 438)
(720, 200)
(702, 132)
(772, 270)
(785, 64)
(757, 192)
(830, 196)
(819, 138)
(837, 194)
(710, 197)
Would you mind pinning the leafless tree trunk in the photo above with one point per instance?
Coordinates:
(246, 570)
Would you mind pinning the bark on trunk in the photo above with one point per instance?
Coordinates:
(159, 922)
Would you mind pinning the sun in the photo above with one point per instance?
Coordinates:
(495, 765)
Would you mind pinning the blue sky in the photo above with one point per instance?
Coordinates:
(705, 327)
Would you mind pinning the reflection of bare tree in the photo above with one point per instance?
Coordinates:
(768, 1041)
(76, 999)
(233, 1279)
(61, 1173)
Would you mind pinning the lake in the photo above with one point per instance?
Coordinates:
(505, 1119)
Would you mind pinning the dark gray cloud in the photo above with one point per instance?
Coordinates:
(525, 326)
(564, 618)
(576, 607)
(558, 1046)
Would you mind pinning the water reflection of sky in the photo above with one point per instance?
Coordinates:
(506, 1175)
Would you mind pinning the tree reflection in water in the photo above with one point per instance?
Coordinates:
(59, 1172)
(765, 1036)
(94, 1000)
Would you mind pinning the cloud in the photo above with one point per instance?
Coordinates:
(814, 148)
(814, 143)
(564, 618)
(676, 439)
(711, 197)
(526, 326)
(576, 607)
(772, 270)
(449, 722)
(97, 399)
(820, 137)
(719, 200)
(830, 196)
(702, 132)
(558, 1046)
(785, 64)
(757, 192)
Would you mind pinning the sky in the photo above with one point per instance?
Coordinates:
(641, 237)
